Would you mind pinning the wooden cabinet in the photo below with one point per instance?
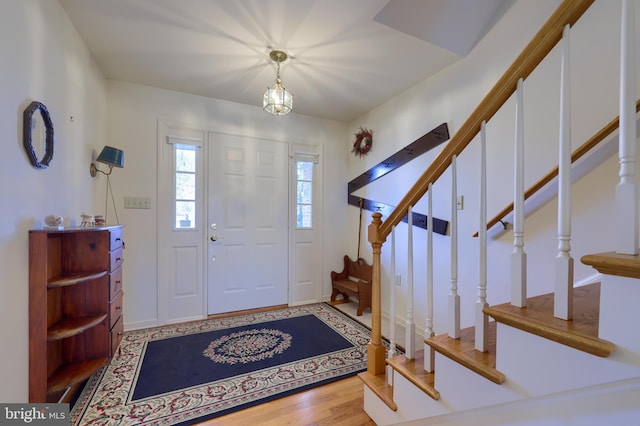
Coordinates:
(75, 307)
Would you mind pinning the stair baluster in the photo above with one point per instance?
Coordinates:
(482, 320)
(627, 189)
(563, 300)
(392, 307)
(429, 353)
(454, 297)
(518, 256)
(410, 326)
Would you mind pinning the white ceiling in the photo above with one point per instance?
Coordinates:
(345, 56)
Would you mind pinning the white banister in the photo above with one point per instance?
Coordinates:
(518, 256)
(563, 292)
(454, 297)
(627, 189)
(429, 353)
(410, 327)
(482, 320)
(392, 307)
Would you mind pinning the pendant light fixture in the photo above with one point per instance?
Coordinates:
(277, 100)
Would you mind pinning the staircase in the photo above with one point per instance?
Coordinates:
(572, 343)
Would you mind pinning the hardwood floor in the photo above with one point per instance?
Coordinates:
(334, 404)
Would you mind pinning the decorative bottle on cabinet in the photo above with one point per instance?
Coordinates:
(75, 307)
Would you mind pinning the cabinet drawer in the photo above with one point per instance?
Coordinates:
(115, 309)
(115, 283)
(116, 335)
(116, 238)
(115, 259)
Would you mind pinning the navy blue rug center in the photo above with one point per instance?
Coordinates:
(195, 359)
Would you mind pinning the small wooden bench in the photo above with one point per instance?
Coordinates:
(355, 281)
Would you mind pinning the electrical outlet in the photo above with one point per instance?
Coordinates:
(398, 280)
(137, 202)
(460, 202)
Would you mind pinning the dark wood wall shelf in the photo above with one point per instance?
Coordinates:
(75, 307)
(73, 373)
(71, 326)
(74, 278)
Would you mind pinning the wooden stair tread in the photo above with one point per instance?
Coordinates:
(463, 351)
(413, 370)
(611, 263)
(537, 318)
(378, 385)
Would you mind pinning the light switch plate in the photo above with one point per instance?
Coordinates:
(137, 202)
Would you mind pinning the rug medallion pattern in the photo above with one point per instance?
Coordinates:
(248, 346)
(108, 396)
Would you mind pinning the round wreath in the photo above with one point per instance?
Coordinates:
(363, 142)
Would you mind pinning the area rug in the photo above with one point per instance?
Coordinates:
(187, 373)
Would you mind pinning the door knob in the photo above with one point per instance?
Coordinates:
(214, 237)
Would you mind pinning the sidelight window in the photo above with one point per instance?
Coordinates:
(304, 191)
(185, 186)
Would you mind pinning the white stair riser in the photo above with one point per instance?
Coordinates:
(539, 366)
(619, 313)
(463, 389)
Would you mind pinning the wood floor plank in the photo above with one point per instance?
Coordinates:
(340, 403)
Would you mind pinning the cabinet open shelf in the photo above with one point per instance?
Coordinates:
(72, 373)
(74, 278)
(71, 326)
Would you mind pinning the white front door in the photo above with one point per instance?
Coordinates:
(247, 223)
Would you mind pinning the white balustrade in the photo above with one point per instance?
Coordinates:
(482, 320)
(627, 188)
(563, 298)
(429, 353)
(392, 307)
(410, 327)
(518, 256)
(454, 297)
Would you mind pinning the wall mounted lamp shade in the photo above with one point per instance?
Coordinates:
(113, 157)
(277, 100)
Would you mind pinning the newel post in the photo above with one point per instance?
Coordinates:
(375, 348)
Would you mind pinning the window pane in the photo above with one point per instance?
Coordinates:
(185, 186)
(304, 195)
(304, 192)
(185, 158)
(304, 216)
(305, 170)
(185, 214)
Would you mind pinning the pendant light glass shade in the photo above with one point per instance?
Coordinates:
(277, 100)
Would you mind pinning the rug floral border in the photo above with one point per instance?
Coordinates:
(106, 398)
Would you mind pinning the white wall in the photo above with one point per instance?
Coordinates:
(132, 126)
(43, 59)
(450, 97)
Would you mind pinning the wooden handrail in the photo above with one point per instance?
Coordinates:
(575, 156)
(538, 48)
